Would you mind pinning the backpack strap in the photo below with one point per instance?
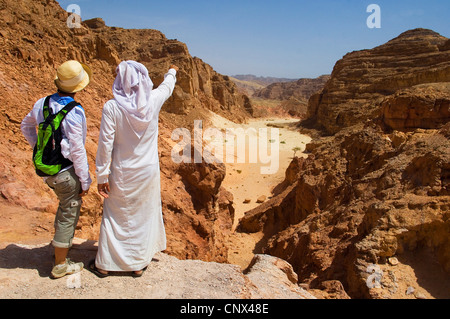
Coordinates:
(60, 116)
(47, 110)
(69, 107)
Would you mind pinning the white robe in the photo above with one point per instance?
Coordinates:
(132, 228)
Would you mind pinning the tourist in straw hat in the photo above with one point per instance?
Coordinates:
(73, 180)
(72, 77)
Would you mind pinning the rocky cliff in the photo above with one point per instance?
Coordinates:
(35, 40)
(369, 207)
(424, 105)
(364, 78)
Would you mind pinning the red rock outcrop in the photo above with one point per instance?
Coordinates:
(362, 78)
(421, 106)
(35, 39)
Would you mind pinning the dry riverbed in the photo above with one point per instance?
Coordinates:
(247, 181)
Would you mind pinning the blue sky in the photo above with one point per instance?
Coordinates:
(283, 38)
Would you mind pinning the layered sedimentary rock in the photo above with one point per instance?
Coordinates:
(301, 89)
(370, 205)
(363, 78)
(294, 95)
(424, 106)
(35, 39)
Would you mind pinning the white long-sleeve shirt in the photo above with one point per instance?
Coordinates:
(74, 131)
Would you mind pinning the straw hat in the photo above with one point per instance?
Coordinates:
(72, 76)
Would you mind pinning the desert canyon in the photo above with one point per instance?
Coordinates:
(368, 186)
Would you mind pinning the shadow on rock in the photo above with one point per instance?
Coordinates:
(41, 257)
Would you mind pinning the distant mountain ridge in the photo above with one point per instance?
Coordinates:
(293, 95)
(264, 81)
(301, 89)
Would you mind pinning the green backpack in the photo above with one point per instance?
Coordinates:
(47, 157)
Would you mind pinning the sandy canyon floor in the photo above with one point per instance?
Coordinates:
(251, 180)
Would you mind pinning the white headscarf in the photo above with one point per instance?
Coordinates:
(132, 90)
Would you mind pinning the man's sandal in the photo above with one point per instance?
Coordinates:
(137, 274)
(92, 268)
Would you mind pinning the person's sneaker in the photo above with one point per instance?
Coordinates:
(68, 268)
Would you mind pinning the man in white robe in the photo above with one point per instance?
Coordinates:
(128, 172)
